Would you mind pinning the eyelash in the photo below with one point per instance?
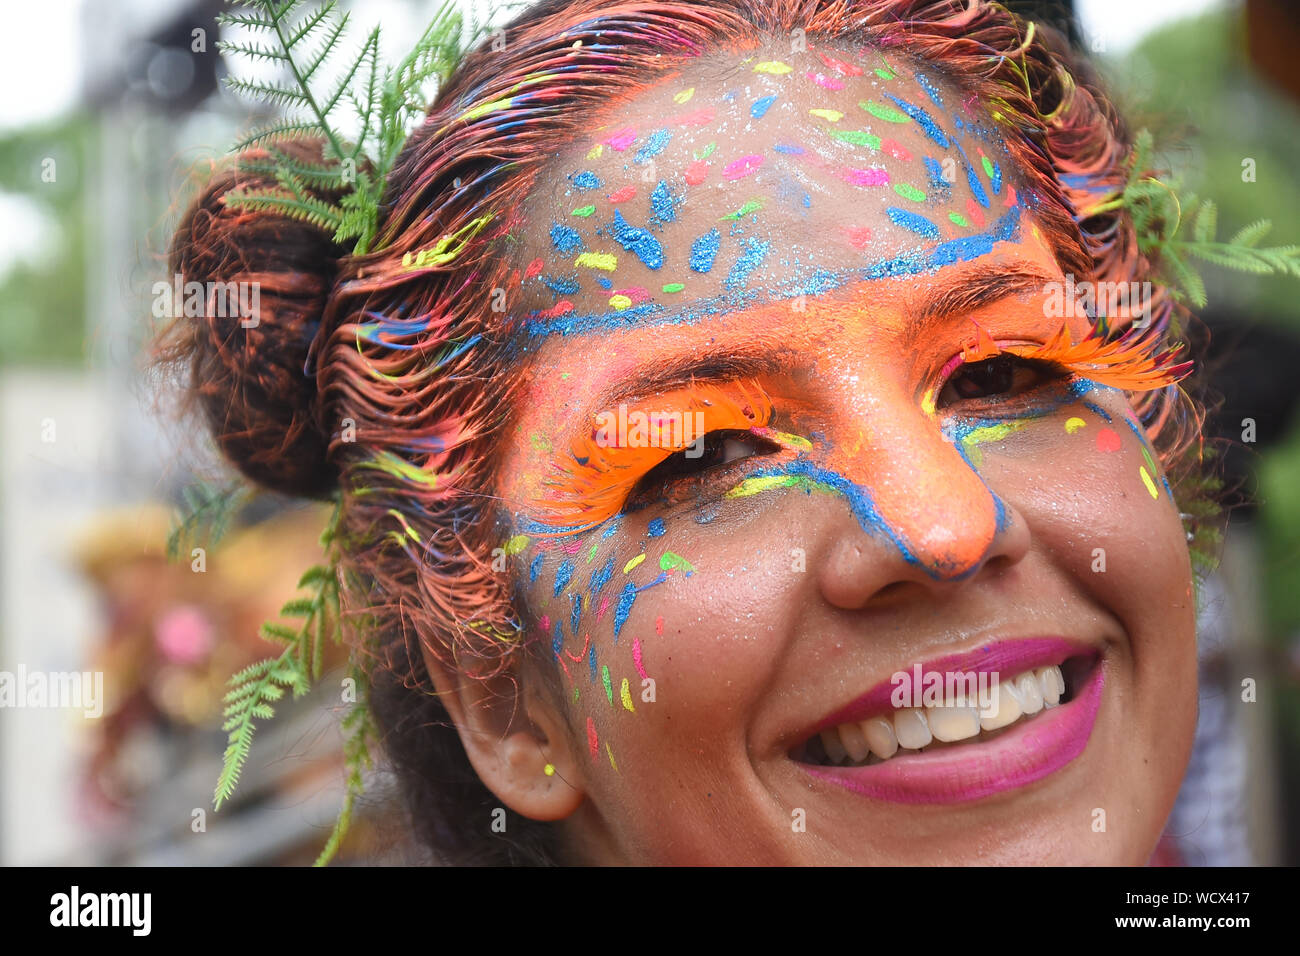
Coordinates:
(1129, 363)
(592, 488)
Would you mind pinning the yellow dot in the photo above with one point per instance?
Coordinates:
(619, 302)
(1074, 424)
(627, 568)
(684, 95)
(596, 151)
(549, 770)
(833, 115)
(597, 260)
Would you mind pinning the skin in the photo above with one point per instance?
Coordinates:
(749, 650)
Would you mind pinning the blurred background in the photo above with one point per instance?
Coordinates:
(112, 105)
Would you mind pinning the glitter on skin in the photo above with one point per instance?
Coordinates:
(754, 251)
(562, 576)
(653, 147)
(565, 239)
(922, 119)
(663, 203)
(704, 250)
(910, 220)
(637, 241)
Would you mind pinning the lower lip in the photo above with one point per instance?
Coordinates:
(1043, 745)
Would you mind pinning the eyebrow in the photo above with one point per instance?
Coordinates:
(974, 288)
(716, 364)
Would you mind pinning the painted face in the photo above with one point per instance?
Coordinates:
(800, 418)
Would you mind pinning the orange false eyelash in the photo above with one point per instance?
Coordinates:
(592, 482)
(1130, 363)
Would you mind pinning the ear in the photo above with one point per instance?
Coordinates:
(516, 739)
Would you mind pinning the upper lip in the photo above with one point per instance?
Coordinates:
(1003, 657)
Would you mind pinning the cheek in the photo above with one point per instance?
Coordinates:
(1099, 511)
(680, 626)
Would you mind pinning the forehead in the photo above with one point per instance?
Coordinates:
(762, 174)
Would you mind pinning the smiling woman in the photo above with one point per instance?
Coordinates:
(782, 422)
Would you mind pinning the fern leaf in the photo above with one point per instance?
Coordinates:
(328, 46)
(273, 631)
(252, 50)
(1184, 276)
(309, 24)
(206, 515)
(1251, 235)
(268, 134)
(299, 607)
(271, 92)
(1206, 222)
(320, 214)
(240, 715)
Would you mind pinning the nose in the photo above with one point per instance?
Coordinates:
(923, 511)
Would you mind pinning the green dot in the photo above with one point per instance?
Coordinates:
(674, 286)
(988, 167)
(959, 219)
(880, 111)
(583, 211)
(908, 191)
(883, 73)
(857, 137)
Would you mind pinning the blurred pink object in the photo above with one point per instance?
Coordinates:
(184, 634)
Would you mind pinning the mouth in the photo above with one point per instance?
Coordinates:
(925, 737)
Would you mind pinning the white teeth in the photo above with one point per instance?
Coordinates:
(1006, 709)
(1031, 693)
(854, 742)
(912, 729)
(834, 749)
(879, 732)
(954, 722)
(1051, 683)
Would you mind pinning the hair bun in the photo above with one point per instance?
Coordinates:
(247, 373)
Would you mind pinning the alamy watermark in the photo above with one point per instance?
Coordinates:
(53, 689)
(638, 429)
(1091, 300)
(946, 689)
(213, 300)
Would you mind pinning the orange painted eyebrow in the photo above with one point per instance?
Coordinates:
(973, 289)
(712, 365)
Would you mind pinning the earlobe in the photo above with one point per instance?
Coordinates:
(516, 740)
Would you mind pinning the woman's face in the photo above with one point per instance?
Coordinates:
(789, 251)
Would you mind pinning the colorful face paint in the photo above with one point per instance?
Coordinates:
(850, 293)
(774, 169)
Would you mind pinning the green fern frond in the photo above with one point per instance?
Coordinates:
(253, 690)
(267, 135)
(250, 698)
(318, 213)
(205, 516)
(1171, 230)
(359, 730)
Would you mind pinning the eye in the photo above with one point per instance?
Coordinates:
(714, 451)
(1003, 376)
